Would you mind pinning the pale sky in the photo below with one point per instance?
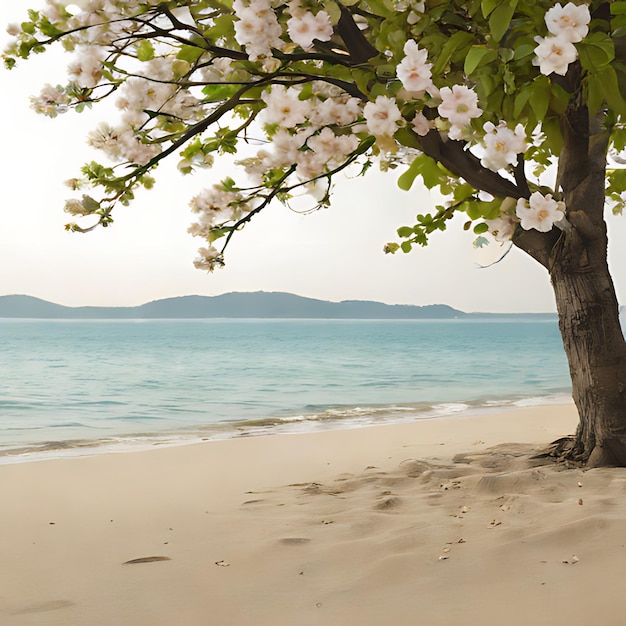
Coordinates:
(335, 254)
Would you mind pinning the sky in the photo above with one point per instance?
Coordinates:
(334, 254)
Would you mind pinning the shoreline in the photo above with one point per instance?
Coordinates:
(354, 418)
(435, 521)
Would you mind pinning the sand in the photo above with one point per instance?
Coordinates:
(383, 525)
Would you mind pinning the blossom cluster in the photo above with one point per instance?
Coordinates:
(567, 25)
(258, 30)
(309, 128)
(539, 212)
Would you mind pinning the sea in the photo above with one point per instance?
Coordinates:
(76, 387)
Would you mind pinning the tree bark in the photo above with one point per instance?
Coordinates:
(585, 296)
(596, 353)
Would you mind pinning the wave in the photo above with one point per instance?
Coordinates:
(312, 419)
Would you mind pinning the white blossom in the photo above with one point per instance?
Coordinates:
(257, 28)
(382, 116)
(571, 21)
(333, 147)
(105, 138)
(134, 150)
(52, 12)
(459, 105)
(304, 28)
(287, 145)
(51, 101)
(502, 227)
(86, 69)
(326, 152)
(310, 165)
(208, 259)
(421, 124)
(336, 110)
(75, 207)
(140, 93)
(216, 206)
(554, 54)
(219, 70)
(502, 145)
(284, 107)
(539, 212)
(414, 71)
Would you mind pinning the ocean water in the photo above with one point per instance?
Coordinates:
(77, 386)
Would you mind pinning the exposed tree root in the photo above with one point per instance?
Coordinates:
(564, 450)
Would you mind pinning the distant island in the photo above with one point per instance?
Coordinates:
(259, 304)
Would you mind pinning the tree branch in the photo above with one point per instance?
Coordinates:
(360, 49)
(537, 245)
(452, 155)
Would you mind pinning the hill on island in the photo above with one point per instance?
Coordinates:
(259, 304)
(230, 305)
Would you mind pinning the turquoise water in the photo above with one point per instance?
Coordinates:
(70, 384)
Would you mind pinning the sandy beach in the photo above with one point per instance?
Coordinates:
(436, 522)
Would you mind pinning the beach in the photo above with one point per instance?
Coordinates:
(438, 522)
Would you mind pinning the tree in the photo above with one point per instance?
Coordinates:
(482, 99)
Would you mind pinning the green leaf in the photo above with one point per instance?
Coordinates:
(458, 41)
(487, 6)
(523, 51)
(477, 56)
(603, 86)
(28, 27)
(48, 29)
(145, 51)
(217, 233)
(596, 51)
(406, 180)
(595, 93)
(384, 8)
(407, 138)
(473, 210)
(333, 10)
(521, 99)
(500, 19)
(540, 96)
(190, 53)
(618, 8)
(215, 93)
(481, 228)
(405, 231)
(430, 172)
(223, 27)
(89, 204)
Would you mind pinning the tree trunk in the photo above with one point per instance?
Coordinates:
(576, 258)
(596, 352)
